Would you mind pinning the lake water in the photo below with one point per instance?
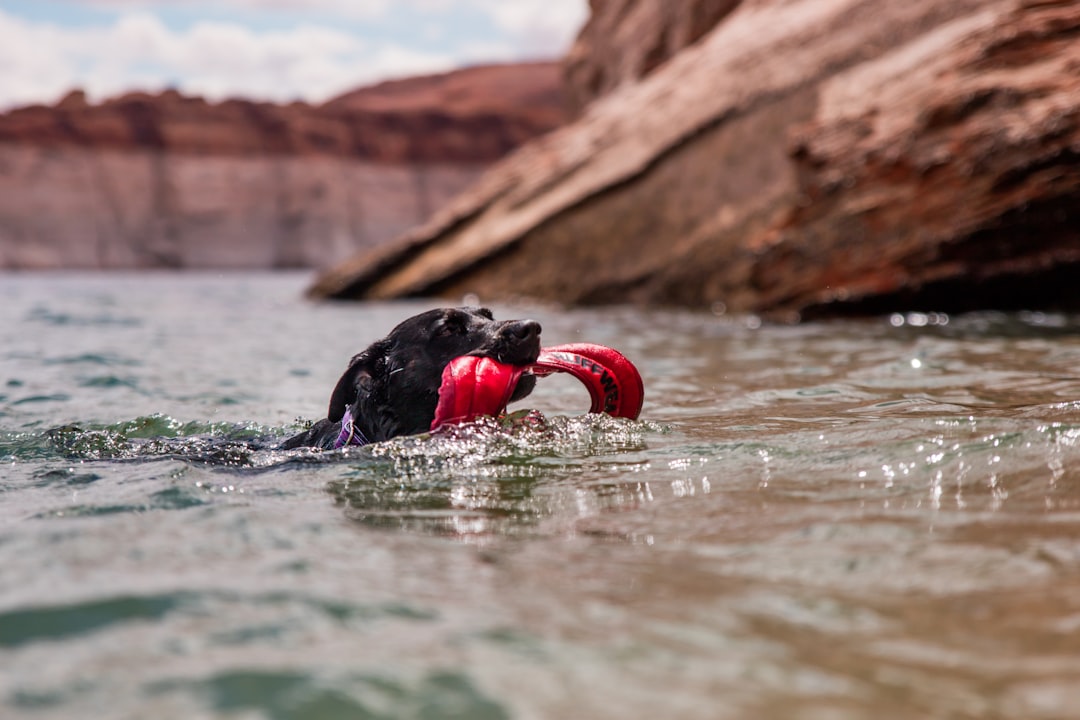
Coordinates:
(861, 519)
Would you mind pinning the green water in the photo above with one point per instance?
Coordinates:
(859, 519)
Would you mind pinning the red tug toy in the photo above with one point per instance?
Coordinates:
(474, 386)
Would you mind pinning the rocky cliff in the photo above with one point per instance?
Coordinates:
(625, 40)
(802, 156)
(167, 180)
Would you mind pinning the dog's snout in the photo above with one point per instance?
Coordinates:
(522, 329)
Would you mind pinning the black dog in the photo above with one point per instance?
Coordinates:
(392, 388)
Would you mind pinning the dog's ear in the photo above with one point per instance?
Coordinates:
(358, 378)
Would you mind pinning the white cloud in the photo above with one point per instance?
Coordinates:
(30, 72)
(347, 8)
(40, 61)
(539, 24)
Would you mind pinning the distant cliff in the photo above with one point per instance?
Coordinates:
(166, 180)
(794, 157)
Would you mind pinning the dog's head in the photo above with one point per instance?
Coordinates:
(392, 387)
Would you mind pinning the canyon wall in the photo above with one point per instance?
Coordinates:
(74, 207)
(625, 40)
(801, 157)
(173, 181)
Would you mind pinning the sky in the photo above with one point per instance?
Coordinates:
(279, 50)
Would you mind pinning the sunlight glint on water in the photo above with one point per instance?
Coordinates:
(859, 519)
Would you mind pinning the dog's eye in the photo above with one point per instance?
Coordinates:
(448, 326)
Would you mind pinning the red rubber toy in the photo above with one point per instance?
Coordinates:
(474, 386)
(613, 382)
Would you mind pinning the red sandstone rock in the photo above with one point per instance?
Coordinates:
(625, 40)
(804, 156)
(531, 91)
(72, 207)
(949, 177)
(475, 115)
(172, 181)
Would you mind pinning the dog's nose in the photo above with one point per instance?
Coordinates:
(522, 329)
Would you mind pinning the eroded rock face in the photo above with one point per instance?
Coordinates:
(173, 181)
(954, 183)
(805, 156)
(625, 40)
(475, 115)
(74, 207)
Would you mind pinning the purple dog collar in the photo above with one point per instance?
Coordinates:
(350, 434)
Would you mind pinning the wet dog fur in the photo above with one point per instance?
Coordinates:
(392, 387)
